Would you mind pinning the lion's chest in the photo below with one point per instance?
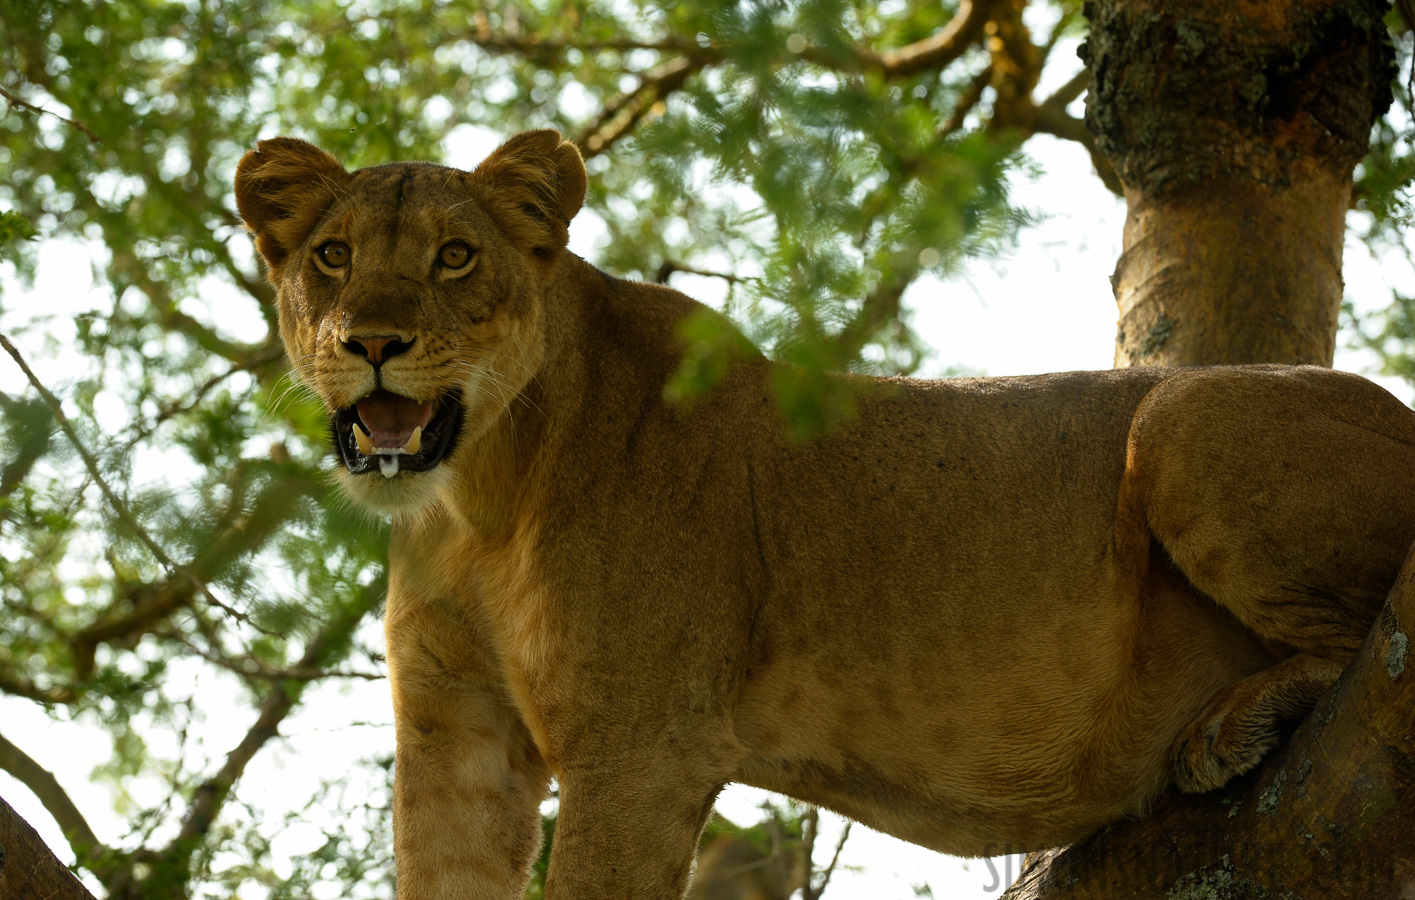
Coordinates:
(488, 600)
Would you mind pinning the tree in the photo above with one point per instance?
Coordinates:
(28, 869)
(1233, 254)
(1234, 131)
(163, 510)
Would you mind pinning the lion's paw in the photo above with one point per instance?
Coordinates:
(1229, 739)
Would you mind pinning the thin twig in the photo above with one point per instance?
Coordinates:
(835, 858)
(16, 101)
(251, 667)
(670, 267)
(197, 395)
(114, 501)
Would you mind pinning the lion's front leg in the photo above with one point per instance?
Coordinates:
(629, 828)
(468, 781)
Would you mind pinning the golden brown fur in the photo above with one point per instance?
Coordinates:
(987, 610)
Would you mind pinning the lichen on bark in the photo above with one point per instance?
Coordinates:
(1184, 91)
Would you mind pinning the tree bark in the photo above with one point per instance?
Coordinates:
(28, 870)
(1234, 127)
(1331, 816)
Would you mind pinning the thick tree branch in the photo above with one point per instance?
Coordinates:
(1051, 118)
(28, 869)
(546, 47)
(23, 687)
(932, 53)
(139, 608)
(1067, 94)
(880, 307)
(135, 271)
(149, 604)
(126, 269)
(623, 112)
(56, 800)
(251, 668)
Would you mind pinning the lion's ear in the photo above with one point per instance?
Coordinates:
(283, 186)
(542, 175)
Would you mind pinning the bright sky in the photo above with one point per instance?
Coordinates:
(1046, 307)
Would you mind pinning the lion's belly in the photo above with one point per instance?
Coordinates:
(965, 734)
(953, 762)
(962, 780)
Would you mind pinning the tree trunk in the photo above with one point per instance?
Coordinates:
(1331, 816)
(28, 871)
(1234, 127)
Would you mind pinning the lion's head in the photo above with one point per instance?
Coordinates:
(410, 294)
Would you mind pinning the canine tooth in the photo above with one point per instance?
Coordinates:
(415, 443)
(362, 439)
(388, 465)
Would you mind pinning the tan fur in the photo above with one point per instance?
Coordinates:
(985, 611)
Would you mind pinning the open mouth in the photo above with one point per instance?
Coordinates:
(389, 433)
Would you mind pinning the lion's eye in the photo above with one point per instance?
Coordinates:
(454, 255)
(334, 254)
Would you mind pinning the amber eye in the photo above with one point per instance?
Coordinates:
(454, 255)
(334, 254)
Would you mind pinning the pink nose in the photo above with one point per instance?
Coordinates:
(376, 348)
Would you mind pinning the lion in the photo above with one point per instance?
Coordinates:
(983, 611)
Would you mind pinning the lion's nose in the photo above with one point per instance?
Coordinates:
(376, 348)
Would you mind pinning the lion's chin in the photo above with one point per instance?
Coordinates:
(406, 494)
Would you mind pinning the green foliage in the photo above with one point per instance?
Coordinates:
(1389, 166)
(1381, 194)
(14, 229)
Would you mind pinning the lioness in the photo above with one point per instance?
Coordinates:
(986, 610)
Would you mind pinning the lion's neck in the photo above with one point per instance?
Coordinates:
(501, 474)
(610, 348)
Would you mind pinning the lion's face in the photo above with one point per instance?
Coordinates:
(410, 295)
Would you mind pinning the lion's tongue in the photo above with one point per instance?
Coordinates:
(390, 419)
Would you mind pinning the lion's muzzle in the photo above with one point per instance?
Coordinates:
(389, 433)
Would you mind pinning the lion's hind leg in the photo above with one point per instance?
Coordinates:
(1287, 496)
(1245, 720)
